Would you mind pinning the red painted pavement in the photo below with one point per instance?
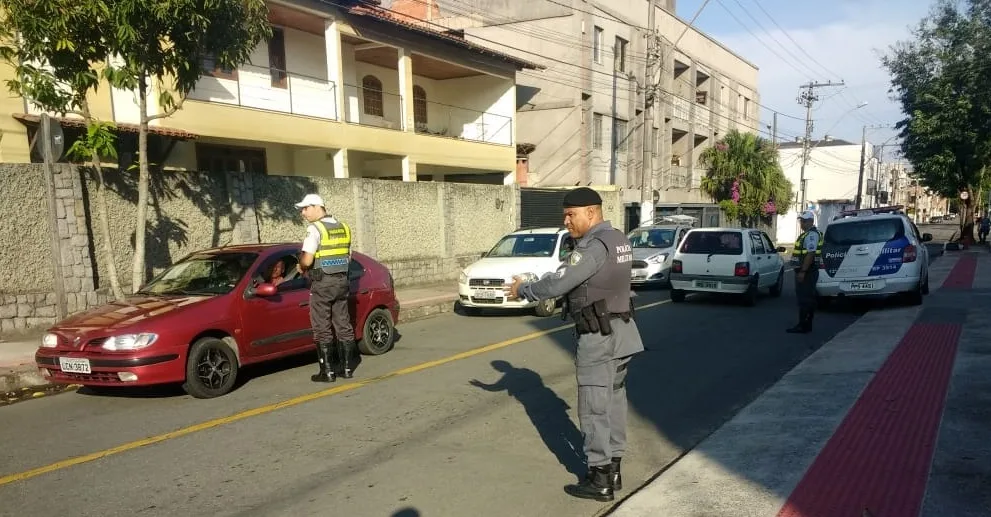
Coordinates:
(962, 274)
(879, 458)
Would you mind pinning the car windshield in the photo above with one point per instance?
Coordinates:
(655, 238)
(864, 232)
(713, 243)
(527, 245)
(202, 275)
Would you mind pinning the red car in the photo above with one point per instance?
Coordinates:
(206, 316)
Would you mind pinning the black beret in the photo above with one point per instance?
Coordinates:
(582, 196)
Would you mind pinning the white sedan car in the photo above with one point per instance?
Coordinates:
(737, 261)
(530, 253)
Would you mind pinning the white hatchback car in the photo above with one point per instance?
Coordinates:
(532, 253)
(876, 252)
(737, 261)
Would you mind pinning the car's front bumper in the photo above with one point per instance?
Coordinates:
(650, 275)
(710, 283)
(489, 298)
(139, 368)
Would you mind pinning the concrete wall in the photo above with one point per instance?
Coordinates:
(423, 232)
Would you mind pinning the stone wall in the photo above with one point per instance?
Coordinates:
(424, 232)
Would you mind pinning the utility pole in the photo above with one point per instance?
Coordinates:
(774, 130)
(649, 96)
(863, 153)
(806, 98)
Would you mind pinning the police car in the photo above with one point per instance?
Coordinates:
(875, 252)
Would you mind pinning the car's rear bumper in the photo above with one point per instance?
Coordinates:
(865, 287)
(703, 283)
(140, 369)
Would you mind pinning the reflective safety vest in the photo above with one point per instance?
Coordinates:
(798, 254)
(334, 253)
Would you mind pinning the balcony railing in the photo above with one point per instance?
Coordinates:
(702, 114)
(269, 89)
(463, 123)
(371, 107)
(677, 177)
(681, 108)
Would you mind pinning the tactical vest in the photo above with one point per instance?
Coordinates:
(334, 253)
(612, 281)
(798, 254)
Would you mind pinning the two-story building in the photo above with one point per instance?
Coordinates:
(584, 113)
(342, 89)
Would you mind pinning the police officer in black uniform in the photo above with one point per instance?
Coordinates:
(596, 280)
(806, 258)
(326, 255)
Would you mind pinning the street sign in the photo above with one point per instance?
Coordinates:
(55, 136)
(964, 195)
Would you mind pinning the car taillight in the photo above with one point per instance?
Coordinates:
(741, 269)
(676, 266)
(909, 254)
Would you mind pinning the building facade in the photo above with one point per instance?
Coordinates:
(347, 89)
(584, 112)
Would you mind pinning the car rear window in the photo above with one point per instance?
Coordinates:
(713, 243)
(864, 232)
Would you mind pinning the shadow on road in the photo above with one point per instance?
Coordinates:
(547, 412)
(407, 512)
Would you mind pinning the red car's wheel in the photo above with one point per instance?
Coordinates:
(211, 369)
(379, 333)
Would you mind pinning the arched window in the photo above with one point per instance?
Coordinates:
(372, 92)
(419, 105)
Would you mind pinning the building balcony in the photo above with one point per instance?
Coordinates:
(681, 108)
(271, 89)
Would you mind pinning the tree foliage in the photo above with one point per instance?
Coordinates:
(940, 77)
(744, 177)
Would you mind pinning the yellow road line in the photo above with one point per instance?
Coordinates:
(295, 401)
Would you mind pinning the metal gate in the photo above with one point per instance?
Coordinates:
(541, 208)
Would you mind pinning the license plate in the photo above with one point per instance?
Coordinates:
(638, 274)
(485, 295)
(72, 365)
(862, 286)
(706, 284)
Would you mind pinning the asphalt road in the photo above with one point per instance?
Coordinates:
(420, 431)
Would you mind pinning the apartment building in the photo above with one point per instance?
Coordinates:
(584, 112)
(343, 89)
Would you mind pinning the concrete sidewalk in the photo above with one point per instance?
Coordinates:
(18, 370)
(889, 418)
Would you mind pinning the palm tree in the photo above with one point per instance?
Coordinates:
(744, 176)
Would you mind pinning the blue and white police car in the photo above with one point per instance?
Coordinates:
(874, 252)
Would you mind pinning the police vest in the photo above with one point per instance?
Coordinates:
(798, 254)
(334, 253)
(612, 281)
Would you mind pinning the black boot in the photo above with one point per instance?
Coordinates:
(595, 485)
(804, 323)
(344, 350)
(326, 373)
(615, 478)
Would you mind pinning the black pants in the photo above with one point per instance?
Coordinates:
(329, 314)
(805, 290)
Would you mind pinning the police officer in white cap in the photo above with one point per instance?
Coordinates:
(806, 258)
(326, 255)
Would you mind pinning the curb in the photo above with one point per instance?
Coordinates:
(27, 376)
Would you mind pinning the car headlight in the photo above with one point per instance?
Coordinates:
(49, 341)
(529, 277)
(658, 259)
(130, 341)
(462, 278)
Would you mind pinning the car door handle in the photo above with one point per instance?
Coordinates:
(304, 304)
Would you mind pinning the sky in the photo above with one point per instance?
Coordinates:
(832, 40)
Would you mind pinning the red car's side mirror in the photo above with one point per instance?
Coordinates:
(265, 290)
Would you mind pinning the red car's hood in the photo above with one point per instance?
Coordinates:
(120, 315)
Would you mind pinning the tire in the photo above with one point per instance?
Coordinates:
(211, 369)
(779, 285)
(925, 285)
(379, 333)
(915, 297)
(546, 308)
(677, 295)
(750, 297)
(823, 302)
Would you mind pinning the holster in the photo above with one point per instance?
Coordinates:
(316, 274)
(603, 317)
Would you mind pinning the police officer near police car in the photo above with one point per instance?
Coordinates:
(596, 282)
(326, 257)
(806, 258)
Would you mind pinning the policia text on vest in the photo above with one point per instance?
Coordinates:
(326, 254)
(595, 282)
